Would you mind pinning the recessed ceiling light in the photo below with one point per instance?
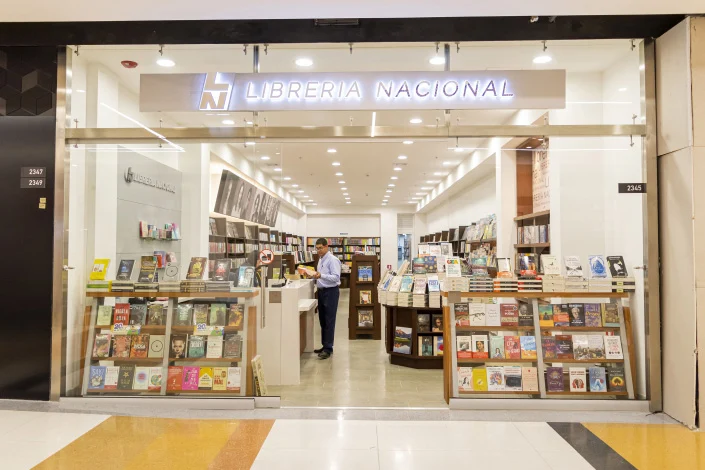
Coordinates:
(542, 59)
(416, 198)
(228, 122)
(276, 168)
(248, 122)
(437, 60)
(166, 62)
(249, 142)
(305, 197)
(420, 194)
(395, 177)
(387, 196)
(304, 62)
(341, 182)
(294, 185)
(388, 191)
(332, 151)
(80, 91)
(408, 142)
(348, 202)
(384, 204)
(446, 163)
(642, 67)
(622, 89)
(335, 163)
(264, 157)
(397, 168)
(458, 149)
(402, 157)
(314, 204)
(287, 178)
(391, 185)
(412, 202)
(346, 194)
(431, 182)
(344, 189)
(438, 173)
(300, 191)
(425, 187)
(347, 198)
(416, 120)
(339, 174)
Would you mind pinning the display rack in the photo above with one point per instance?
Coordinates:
(534, 220)
(451, 332)
(409, 317)
(356, 287)
(246, 331)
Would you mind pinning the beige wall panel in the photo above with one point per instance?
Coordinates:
(697, 59)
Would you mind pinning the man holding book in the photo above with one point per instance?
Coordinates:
(328, 282)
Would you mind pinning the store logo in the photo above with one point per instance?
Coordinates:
(131, 176)
(216, 93)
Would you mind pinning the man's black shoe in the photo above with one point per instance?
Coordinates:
(318, 351)
(324, 355)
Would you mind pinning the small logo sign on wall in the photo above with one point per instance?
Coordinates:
(131, 176)
(627, 188)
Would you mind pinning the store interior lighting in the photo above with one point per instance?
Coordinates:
(304, 62)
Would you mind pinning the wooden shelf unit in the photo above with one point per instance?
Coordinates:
(355, 331)
(541, 248)
(408, 317)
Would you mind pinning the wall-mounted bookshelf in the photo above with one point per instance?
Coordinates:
(346, 247)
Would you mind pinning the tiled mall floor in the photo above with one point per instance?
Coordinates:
(359, 374)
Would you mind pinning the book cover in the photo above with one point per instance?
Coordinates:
(529, 379)
(126, 377)
(598, 379)
(419, 285)
(141, 381)
(112, 373)
(364, 273)
(100, 268)
(121, 346)
(564, 346)
(452, 265)
(395, 285)
(509, 314)
(156, 314)
(148, 269)
(492, 315)
(365, 297)
(548, 345)
(512, 378)
(174, 378)
(477, 314)
(365, 318)
(121, 314)
(616, 266)
(438, 345)
(140, 346)
(190, 379)
(465, 379)
(177, 346)
(246, 276)
(184, 313)
(573, 266)
(480, 346)
(196, 346)
(598, 267)
(617, 381)
(577, 379)
(512, 347)
(97, 377)
(462, 314)
(479, 379)
(217, 317)
(463, 347)
(593, 315)
(437, 323)
(200, 314)
(554, 379)
(205, 378)
(220, 379)
(124, 272)
(526, 263)
(561, 315)
(425, 345)
(546, 315)
(232, 346)
(581, 350)
(214, 347)
(101, 345)
(138, 314)
(433, 283)
(197, 268)
(497, 347)
(550, 265)
(221, 272)
(610, 315)
(407, 283)
(495, 378)
(402, 340)
(233, 379)
(596, 346)
(613, 347)
(577, 315)
(526, 316)
(528, 347)
(236, 314)
(424, 322)
(104, 316)
(156, 378)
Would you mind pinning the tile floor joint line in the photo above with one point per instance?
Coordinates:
(593, 449)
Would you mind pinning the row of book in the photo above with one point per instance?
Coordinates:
(122, 346)
(499, 347)
(427, 345)
(212, 314)
(498, 379)
(216, 247)
(151, 379)
(530, 234)
(582, 347)
(580, 379)
(167, 232)
(550, 315)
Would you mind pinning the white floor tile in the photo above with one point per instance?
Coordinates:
(25, 455)
(543, 438)
(59, 428)
(318, 434)
(11, 420)
(316, 459)
(562, 460)
(425, 459)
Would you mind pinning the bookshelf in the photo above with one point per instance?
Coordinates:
(533, 235)
(470, 241)
(346, 247)
(364, 278)
(408, 317)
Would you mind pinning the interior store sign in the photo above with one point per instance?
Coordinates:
(487, 89)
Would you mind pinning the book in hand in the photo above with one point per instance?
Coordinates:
(497, 347)
(148, 269)
(616, 266)
(546, 315)
(617, 381)
(593, 315)
(126, 377)
(97, 377)
(554, 379)
(598, 379)
(598, 267)
(100, 268)
(462, 315)
(577, 315)
(124, 272)
(512, 378)
(465, 379)
(577, 379)
(184, 313)
(613, 347)
(528, 347)
(463, 347)
(512, 347)
(495, 378)
(101, 346)
(236, 313)
(197, 268)
(573, 267)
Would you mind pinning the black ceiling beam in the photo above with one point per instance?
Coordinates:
(515, 28)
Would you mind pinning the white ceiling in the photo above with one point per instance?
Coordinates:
(367, 167)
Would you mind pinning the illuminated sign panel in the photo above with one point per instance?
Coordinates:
(493, 89)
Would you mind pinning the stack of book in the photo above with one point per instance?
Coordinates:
(623, 284)
(169, 286)
(457, 284)
(122, 286)
(553, 283)
(576, 284)
(480, 284)
(98, 286)
(506, 284)
(532, 284)
(218, 286)
(420, 298)
(405, 299)
(193, 286)
(146, 286)
(600, 285)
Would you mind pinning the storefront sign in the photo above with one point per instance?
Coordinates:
(486, 89)
(131, 176)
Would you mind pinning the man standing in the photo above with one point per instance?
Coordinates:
(328, 282)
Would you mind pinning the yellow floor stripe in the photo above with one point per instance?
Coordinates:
(654, 446)
(242, 448)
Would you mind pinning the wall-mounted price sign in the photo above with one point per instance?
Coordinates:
(33, 172)
(626, 188)
(33, 177)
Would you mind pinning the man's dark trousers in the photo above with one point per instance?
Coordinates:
(327, 310)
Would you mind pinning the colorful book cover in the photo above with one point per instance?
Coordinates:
(196, 346)
(480, 348)
(509, 314)
(100, 268)
(479, 379)
(463, 347)
(138, 314)
(477, 314)
(425, 346)
(462, 314)
(419, 285)
(177, 346)
(141, 381)
(423, 323)
(200, 314)
(190, 379)
(220, 379)
(593, 315)
(112, 373)
(121, 346)
(222, 270)
(156, 378)
(526, 316)
(577, 315)
(598, 267)
(365, 297)
(156, 345)
(573, 267)
(548, 344)
(497, 347)
(528, 347)
(617, 266)
(402, 340)
(364, 273)
(492, 315)
(126, 377)
(581, 350)
(512, 347)
(246, 276)
(197, 268)
(156, 315)
(561, 315)
(495, 378)
(205, 378)
(598, 379)
(124, 272)
(140, 346)
(232, 346)
(365, 318)
(617, 381)
(217, 317)
(465, 379)
(577, 379)
(550, 265)
(610, 315)
(174, 378)
(148, 269)
(101, 345)
(613, 347)
(183, 315)
(97, 377)
(554, 379)
(529, 379)
(234, 378)
(437, 323)
(236, 313)
(512, 378)
(105, 315)
(438, 345)
(407, 283)
(596, 346)
(122, 314)
(564, 346)
(546, 315)
(214, 347)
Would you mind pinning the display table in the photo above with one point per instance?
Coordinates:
(408, 317)
(307, 312)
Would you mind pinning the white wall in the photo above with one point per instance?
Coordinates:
(467, 206)
(353, 225)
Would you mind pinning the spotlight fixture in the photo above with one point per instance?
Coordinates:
(304, 62)
(447, 163)
(346, 194)
(305, 196)
(402, 157)
(437, 60)
(228, 122)
(416, 120)
(335, 163)
(458, 149)
(300, 191)
(347, 198)
(165, 62)
(542, 59)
